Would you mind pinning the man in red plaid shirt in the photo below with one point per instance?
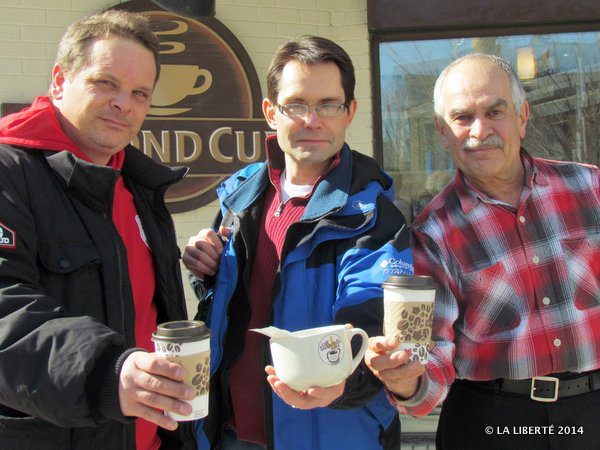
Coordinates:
(513, 244)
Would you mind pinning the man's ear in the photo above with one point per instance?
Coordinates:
(440, 126)
(352, 107)
(58, 80)
(523, 118)
(268, 109)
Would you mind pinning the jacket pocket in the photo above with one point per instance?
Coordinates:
(582, 261)
(31, 433)
(71, 274)
(65, 257)
(491, 306)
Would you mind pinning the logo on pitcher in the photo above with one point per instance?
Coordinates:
(330, 349)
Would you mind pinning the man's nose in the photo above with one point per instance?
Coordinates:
(312, 119)
(479, 129)
(121, 101)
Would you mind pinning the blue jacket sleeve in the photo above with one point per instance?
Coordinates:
(381, 252)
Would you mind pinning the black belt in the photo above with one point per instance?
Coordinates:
(543, 389)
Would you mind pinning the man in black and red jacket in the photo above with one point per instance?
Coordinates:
(88, 255)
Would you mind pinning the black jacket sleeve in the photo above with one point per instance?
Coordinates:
(55, 362)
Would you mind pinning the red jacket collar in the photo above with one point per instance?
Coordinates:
(37, 127)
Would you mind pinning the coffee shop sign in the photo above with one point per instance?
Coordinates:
(185, 146)
(206, 107)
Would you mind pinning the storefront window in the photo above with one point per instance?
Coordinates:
(561, 76)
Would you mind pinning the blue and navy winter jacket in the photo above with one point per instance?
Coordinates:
(350, 238)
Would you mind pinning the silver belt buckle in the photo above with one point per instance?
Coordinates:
(544, 399)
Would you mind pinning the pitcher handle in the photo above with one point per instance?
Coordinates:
(363, 347)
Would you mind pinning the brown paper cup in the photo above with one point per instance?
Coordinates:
(187, 343)
(408, 313)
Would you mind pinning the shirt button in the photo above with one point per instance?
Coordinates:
(536, 259)
(557, 342)
(64, 263)
(546, 301)
(522, 219)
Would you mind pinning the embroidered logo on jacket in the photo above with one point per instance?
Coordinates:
(395, 266)
(7, 237)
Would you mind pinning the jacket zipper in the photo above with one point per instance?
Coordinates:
(279, 210)
(121, 290)
(119, 254)
(108, 218)
(163, 214)
(182, 304)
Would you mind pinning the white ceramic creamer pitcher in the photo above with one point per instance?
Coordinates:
(316, 356)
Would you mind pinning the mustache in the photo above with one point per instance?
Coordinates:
(473, 143)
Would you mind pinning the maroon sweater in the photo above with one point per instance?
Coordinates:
(247, 374)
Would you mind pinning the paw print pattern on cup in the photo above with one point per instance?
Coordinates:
(408, 305)
(200, 381)
(415, 322)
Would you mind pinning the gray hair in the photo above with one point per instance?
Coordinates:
(516, 88)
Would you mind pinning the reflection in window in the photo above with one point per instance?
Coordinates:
(561, 76)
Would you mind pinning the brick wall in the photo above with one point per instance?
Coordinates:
(30, 30)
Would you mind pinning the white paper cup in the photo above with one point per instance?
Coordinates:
(408, 313)
(187, 343)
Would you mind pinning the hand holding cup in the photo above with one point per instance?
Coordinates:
(393, 367)
(149, 384)
(187, 343)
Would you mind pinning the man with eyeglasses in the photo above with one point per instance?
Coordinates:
(303, 240)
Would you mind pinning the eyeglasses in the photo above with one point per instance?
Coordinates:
(301, 110)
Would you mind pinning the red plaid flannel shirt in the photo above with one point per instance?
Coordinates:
(518, 288)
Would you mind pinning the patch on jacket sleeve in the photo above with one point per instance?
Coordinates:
(7, 237)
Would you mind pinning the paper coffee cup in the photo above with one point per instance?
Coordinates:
(187, 343)
(408, 313)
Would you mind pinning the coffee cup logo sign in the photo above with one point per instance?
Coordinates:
(206, 107)
(177, 81)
